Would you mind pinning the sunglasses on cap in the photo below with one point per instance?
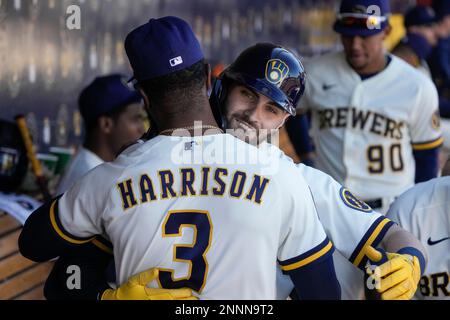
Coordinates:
(360, 21)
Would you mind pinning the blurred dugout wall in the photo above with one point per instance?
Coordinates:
(44, 65)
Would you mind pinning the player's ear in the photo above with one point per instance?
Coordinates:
(105, 124)
(286, 117)
(146, 100)
(208, 78)
(147, 104)
(387, 31)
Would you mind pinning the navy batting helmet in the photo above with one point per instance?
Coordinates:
(268, 69)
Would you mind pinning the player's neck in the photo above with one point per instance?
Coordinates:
(199, 118)
(101, 149)
(374, 67)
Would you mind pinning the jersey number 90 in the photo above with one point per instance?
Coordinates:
(376, 156)
(193, 254)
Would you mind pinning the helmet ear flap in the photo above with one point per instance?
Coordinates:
(218, 100)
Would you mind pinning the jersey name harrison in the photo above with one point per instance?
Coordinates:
(214, 183)
(361, 119)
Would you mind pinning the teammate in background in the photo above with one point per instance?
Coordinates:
(113, 117)
(116, 198)
(424, 210)
(375, 120)
(416, 46)
(439, 60)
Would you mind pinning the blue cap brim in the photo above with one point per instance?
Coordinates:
(363, 32)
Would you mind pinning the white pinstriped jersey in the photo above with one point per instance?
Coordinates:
(365, 130)
(217, 227)
(424, 210)
(349, 224)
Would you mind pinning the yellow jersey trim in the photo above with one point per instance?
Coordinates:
(369, 241)
(59, 231)
(308, 260)
(429, 145)
(101, 246)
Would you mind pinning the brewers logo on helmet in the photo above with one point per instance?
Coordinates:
(276, 71)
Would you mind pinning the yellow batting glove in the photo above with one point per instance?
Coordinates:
(399, 276)
(136, 289)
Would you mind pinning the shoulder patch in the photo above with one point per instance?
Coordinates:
(353, 202)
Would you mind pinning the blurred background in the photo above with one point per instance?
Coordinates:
(44, 65)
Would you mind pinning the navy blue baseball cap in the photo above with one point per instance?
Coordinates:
(442, 8)
(418, 44)
(420, 16)
(362, 17)
(162, 46)
(105, 95)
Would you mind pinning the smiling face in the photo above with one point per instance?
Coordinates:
(249, 112)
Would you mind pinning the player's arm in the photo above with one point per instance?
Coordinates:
(313, 275)
(427, 163)
(426, 134)
(353, 226)
(95, 267)
(81, 273)
(401, 261)
(348, 222)
(400, 265)
(305, 252)
(67, 221)
(42, 239)
(398, 239)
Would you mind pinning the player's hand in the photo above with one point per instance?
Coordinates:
(399, 275)
(136, 289)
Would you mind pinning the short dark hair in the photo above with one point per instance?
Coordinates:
(178, 87)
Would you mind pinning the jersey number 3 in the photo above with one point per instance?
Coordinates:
(193, 254)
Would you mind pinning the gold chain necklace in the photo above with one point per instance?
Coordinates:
(190, 128)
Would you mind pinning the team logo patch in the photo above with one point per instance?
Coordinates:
(373, 22)
(436, 121)
(353, 202)
(276, 71)
(176, 61)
